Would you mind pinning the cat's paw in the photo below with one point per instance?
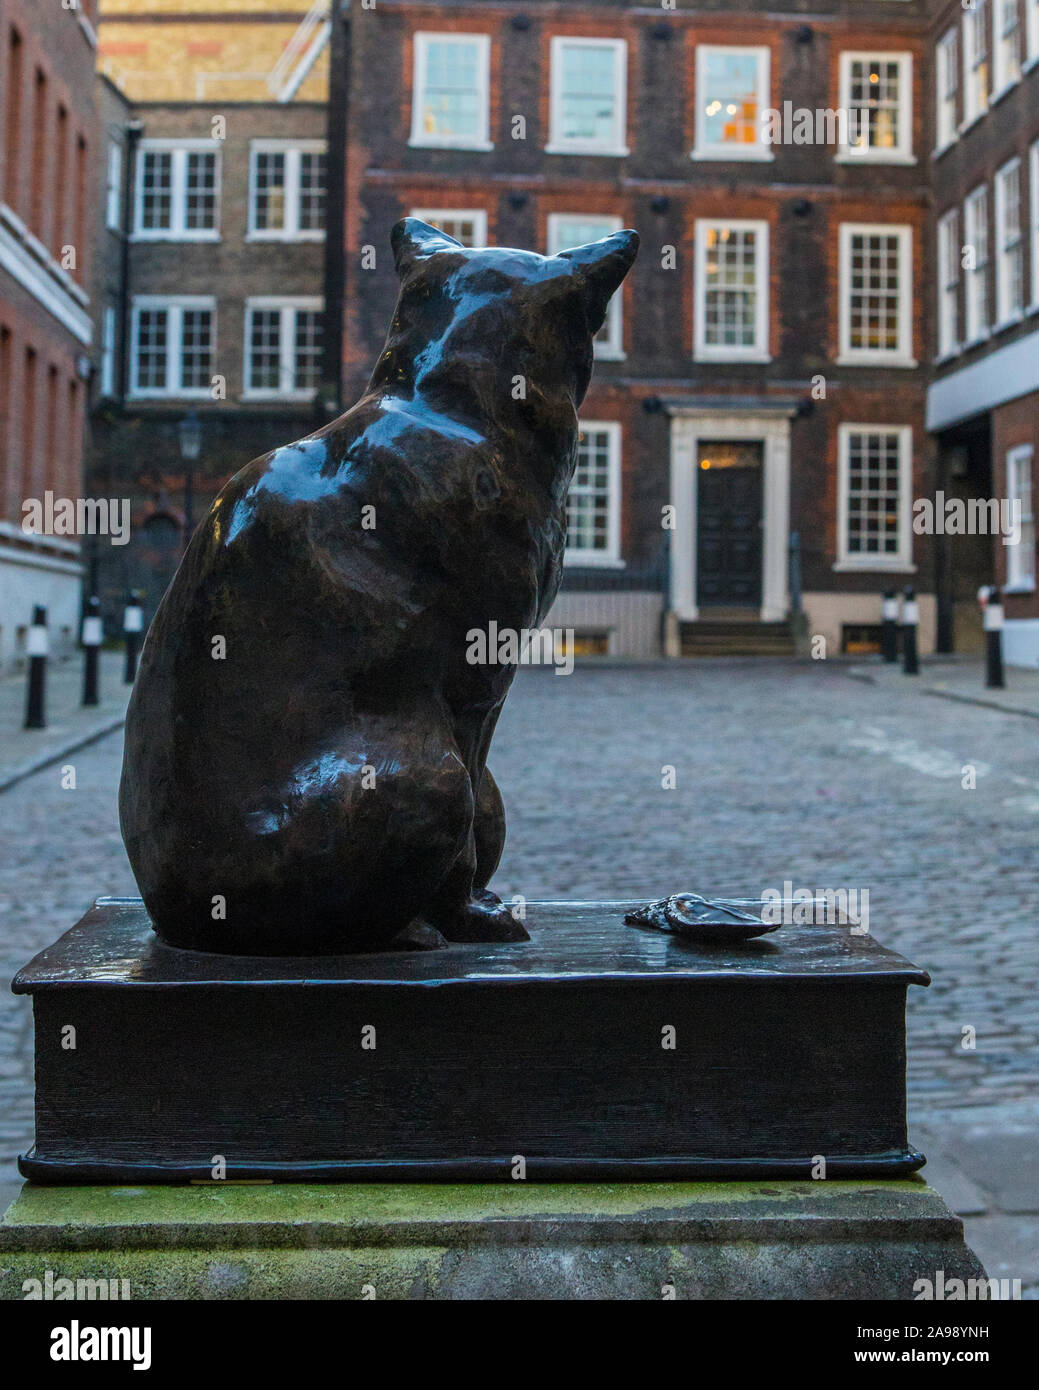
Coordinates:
(418, 936)
(485, 918)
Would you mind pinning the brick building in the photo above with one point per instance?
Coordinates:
(983, 404)
(211, 263)
(47, 149)
(763, 372)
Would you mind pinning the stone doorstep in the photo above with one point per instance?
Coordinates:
(839, 1239)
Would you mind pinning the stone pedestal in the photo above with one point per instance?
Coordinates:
(829, 1239)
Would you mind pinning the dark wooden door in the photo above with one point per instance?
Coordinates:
(728, 542)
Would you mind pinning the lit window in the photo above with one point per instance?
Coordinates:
(948, 283)
(874, 499)
(451, 93)
(565, 231)
(1010, 280)
(287, 190)
(731, 291)
(876, 294)
(975, 61)
(1006, 46)
(178, 191)
(1021, 554)
(877, 93)
(947, 78)
(593, 503)
(589, 96)
(732, 92)
(975, 228)
(282, 347)
(107, 382)
(173, 346)
(469, 228)
(114, 187)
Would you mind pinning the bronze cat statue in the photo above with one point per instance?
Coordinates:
(305, 763)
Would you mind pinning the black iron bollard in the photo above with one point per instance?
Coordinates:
(889, 627)
(37, 648)
(133, 622)
(92, 637)
(993, 622)
(910, 623)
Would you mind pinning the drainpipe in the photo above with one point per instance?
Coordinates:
(134, 131)
(335, 213)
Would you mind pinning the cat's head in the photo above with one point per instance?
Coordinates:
(499, 316)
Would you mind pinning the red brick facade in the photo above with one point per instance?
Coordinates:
(803, 195)
(47, 152)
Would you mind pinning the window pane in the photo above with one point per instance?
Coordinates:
(875, 292)
(875, 94)
(196, 357)
(730, 287)
(588, 100)
(588, 503)
(156, 191)
(873, 493)
(312, 171)
(152, 331)
(265, 349)
(308, 349)
(269, 192)
(729, 101)
(451, 99)
(200, 195)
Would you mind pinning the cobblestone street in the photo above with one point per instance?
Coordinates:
(784, 773)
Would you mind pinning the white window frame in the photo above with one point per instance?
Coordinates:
(712, 352)
(611, 557)
(1005, 315)
(114, 187)
(1021, 579)
(610, 348)
(179, 149)
(1032, 34)
(175, 305)
(1033, 205)
(903, 153)
(946, 69)
(434, 216)
(902, 561)
(1002, 80)
(975, 104)
(902, 356)
(760, 150)
(288, 307)
(106, 384)
(617, 144)
(292, 150)
(974, 332)
(948, 286)
(423, 138)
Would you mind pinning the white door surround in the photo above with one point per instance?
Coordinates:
(771, 428)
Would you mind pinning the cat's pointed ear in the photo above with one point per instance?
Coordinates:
(602, 266)
(413, 240)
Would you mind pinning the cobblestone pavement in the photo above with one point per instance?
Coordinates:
(784, 773)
